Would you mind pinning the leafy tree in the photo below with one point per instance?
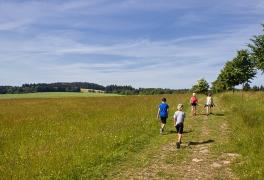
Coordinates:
(243, 67)
(201, 86)
(257, 50)
(219, 85)
(255, 88)
(229, 76)
(246, 87)
(240, 70)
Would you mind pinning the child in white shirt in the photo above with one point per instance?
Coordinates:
(209, 104)
(178, 118)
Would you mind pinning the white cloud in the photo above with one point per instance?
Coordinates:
(144, 63)
(14, 15)
(35, 45)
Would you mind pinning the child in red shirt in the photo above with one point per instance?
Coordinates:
(193, 103)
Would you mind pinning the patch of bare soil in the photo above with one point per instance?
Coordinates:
(204, 164)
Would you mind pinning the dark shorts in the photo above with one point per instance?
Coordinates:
(208, 105)
(163, 120)
(179, 128)
(194, 104)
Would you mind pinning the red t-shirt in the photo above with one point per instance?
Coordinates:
(194, 99)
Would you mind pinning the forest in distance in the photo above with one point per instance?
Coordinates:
(77, 86)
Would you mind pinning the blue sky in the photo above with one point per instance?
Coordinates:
(143, 43)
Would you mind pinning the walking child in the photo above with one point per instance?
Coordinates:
(163, 114)
(209, 104)
(178, 118)
(194, 103)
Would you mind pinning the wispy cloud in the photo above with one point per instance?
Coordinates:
(124, 42)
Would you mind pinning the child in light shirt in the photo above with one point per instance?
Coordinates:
(178, 118)
(209, 104)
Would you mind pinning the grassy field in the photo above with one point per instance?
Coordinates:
(53, 95)
(246, 119)
(74, 138)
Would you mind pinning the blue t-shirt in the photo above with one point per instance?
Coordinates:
(163, 110)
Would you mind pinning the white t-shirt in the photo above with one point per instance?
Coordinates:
(179, 116)
(209, 100)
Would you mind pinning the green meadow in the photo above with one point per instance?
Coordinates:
(73, 137)
(245, 115)
(92, 137)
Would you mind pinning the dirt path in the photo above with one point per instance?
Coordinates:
(196, 159)
(203, 163)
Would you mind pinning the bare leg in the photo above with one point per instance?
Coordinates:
(179, 138)
(178, 144)
(193, 110)
(162, 125)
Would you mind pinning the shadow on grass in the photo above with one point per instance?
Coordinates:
(184, 132)
(218, 114)
(200, 142)
(212, 114)
(201, 114)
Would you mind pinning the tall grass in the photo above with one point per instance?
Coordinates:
(74, 137)
(246, 117)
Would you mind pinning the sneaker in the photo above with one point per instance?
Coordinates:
(161, 130)
(178, 145)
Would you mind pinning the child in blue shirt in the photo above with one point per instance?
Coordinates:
(163, 114)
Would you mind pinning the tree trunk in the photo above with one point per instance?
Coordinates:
(242, 89)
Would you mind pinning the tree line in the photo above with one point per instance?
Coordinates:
(50, 87)
(129, 90)
(76, 86)
(240, 70)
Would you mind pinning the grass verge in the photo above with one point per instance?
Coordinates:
(246, 119)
